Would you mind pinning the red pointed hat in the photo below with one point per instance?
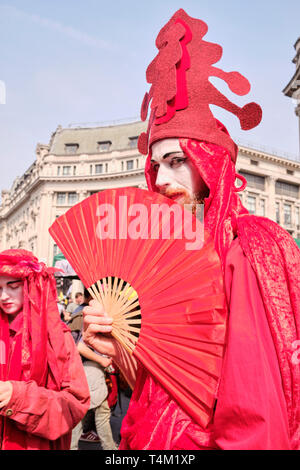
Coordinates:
(181, 92)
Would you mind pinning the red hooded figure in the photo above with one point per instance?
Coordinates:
(39, 366)
(257, 403)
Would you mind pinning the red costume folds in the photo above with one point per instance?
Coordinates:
(258, 402)
(50, 393)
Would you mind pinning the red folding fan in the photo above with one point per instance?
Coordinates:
(135, 251)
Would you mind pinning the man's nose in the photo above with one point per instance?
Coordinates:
(163, 177)
(3, 295)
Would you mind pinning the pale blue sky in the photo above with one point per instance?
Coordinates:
(70, 61)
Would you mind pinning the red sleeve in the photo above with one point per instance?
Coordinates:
(48, 413)
(251, 409)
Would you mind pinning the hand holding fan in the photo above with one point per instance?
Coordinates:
(166, 300)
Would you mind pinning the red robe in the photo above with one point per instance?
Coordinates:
(42, 418)
(50, 391)
(250, 402)
(258, 401)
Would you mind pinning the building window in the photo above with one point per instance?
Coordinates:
(104, 146)
(254, 162)
(277, 212)
(298, 217)
(72, 198)
(287, 213)
(61, 199)
(254, 181)
(251, 203)
(99, 168)
(133, 141)
(71, 149)
(129, 164)
(289, 172)
(262, 204)
(66, 171)
(287, 189)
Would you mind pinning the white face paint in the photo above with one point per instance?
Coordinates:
(176, 177)
(11, 295)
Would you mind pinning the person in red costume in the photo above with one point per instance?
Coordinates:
(191, 159)
(43, 388)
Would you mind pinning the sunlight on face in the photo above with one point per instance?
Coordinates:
(11, 295)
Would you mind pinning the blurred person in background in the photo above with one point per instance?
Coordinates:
(43, 388)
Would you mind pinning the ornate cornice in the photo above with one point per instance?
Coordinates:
(66, 179)
(268, 157)
(291, 87)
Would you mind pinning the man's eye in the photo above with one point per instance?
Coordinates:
(15, 285)
(155, 167)
(177, 161)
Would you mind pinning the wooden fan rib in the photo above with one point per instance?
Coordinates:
(127, 322)
(132, 314)
(100, 292)
(127, 308)
(126, 325)
(123, 296)
(126, 334)
(127, 328)
(123, 341)
(135, 322)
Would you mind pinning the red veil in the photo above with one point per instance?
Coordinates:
(40, 346)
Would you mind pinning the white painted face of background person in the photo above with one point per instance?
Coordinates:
(11, 296)
(176, 177)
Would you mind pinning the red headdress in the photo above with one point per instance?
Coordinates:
(181, 91)
(32, 355)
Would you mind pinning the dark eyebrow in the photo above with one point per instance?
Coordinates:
(13, 282)
(170, 154)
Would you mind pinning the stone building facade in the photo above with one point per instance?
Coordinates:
(80, 161)
(292, 90)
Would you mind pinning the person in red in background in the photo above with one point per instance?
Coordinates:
(43, 388)
(191, 159)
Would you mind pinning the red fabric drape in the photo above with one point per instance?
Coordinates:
(31, 357)
(271, 251)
